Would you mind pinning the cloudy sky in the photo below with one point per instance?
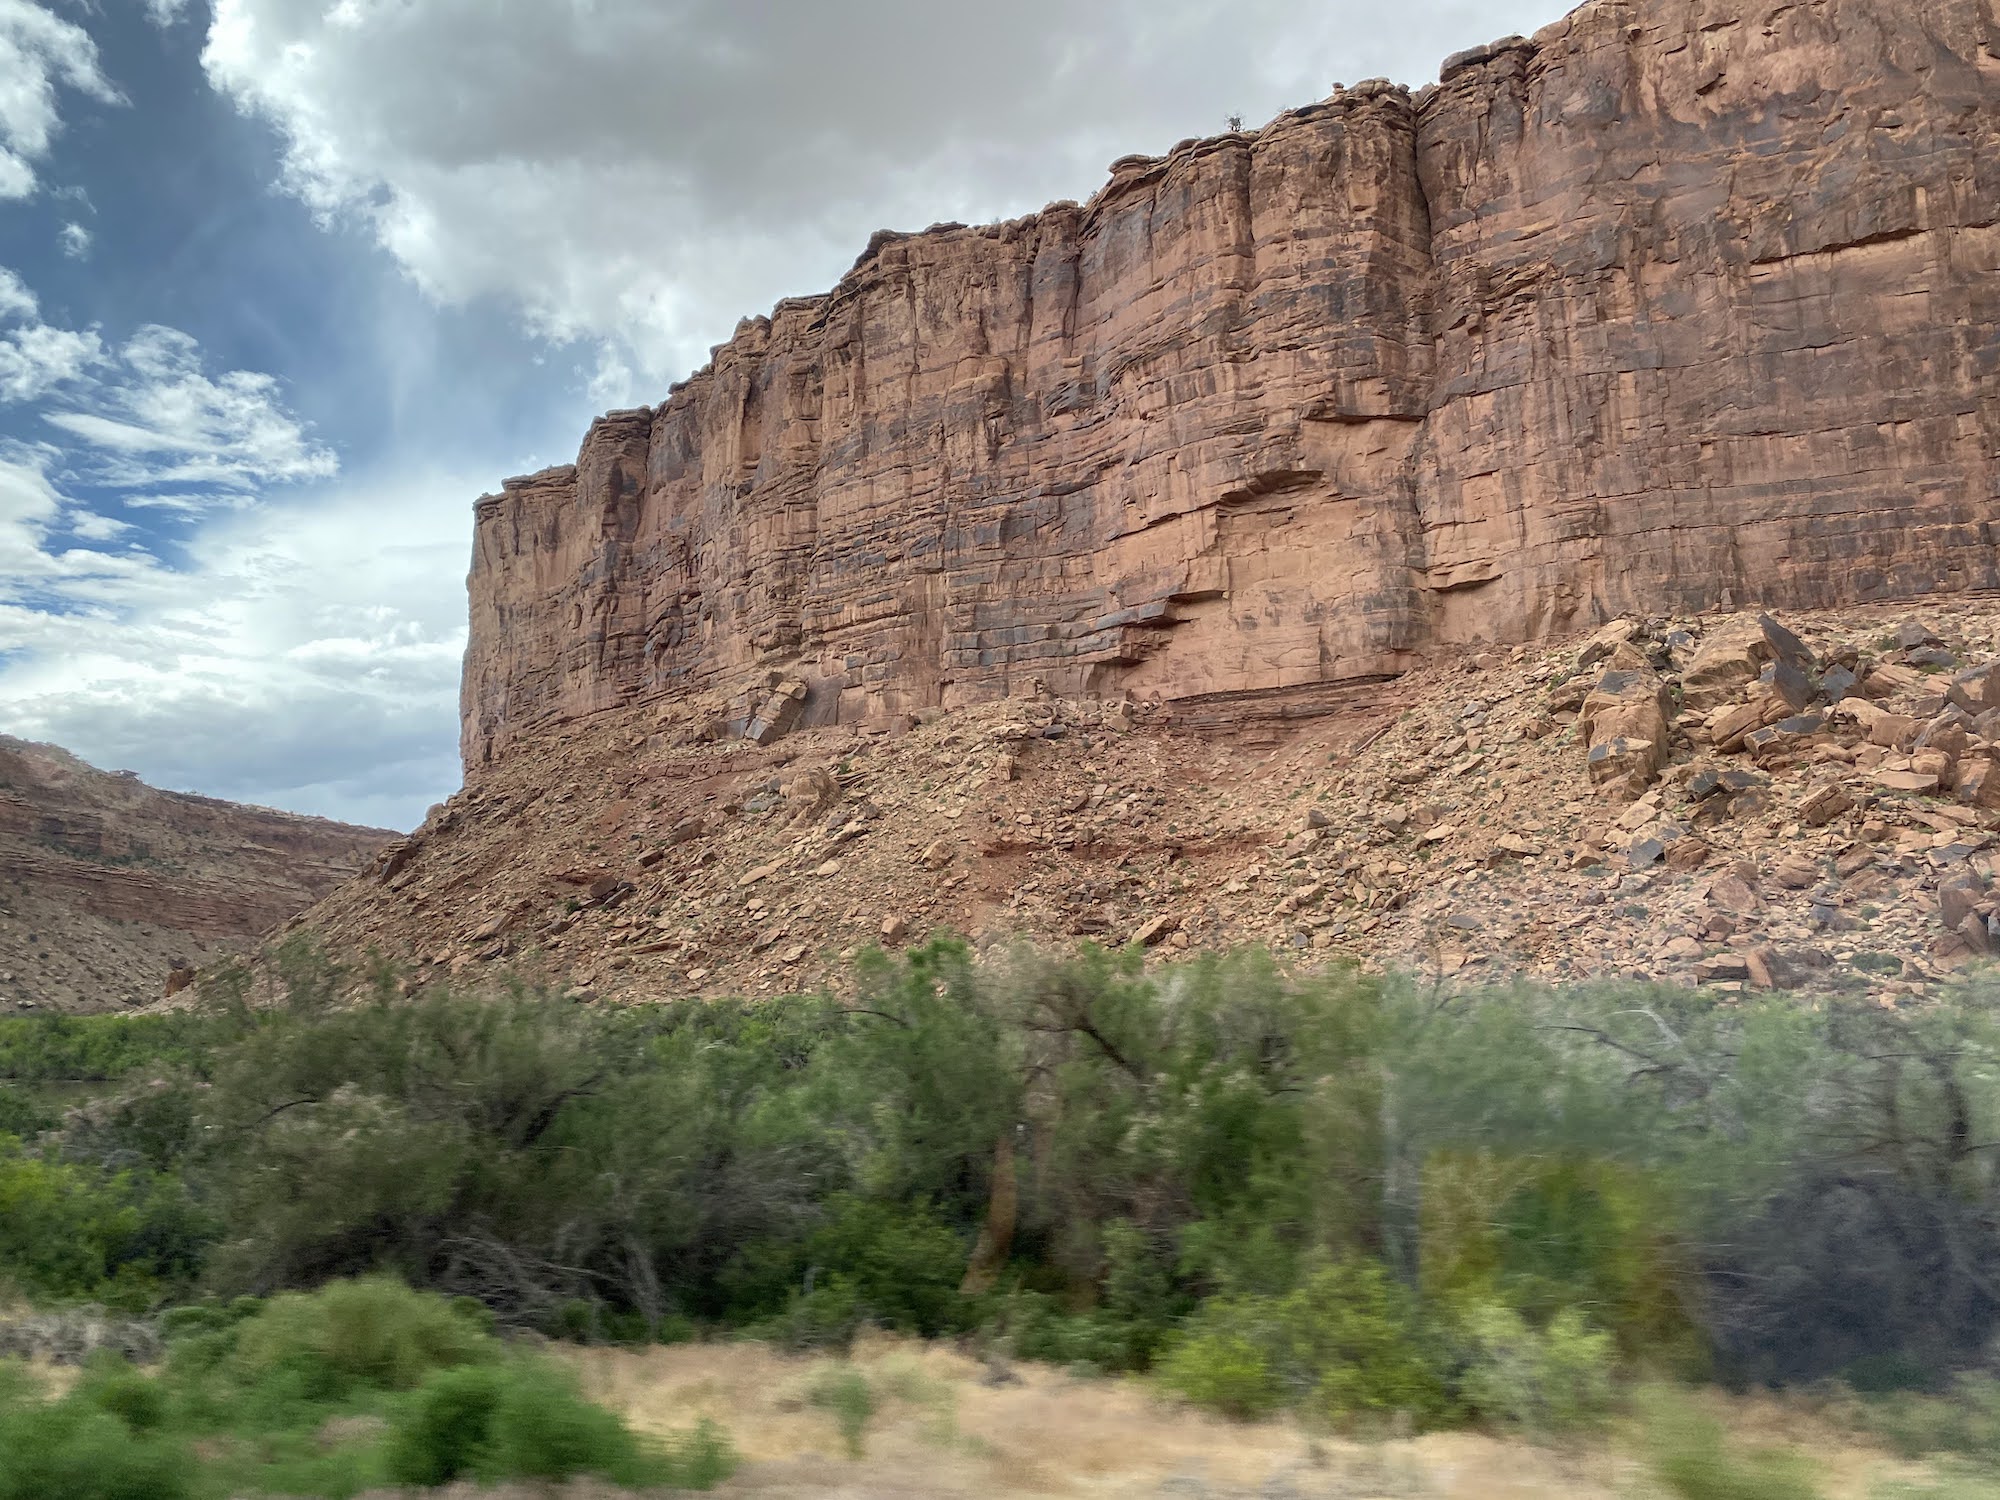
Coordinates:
(285, 284)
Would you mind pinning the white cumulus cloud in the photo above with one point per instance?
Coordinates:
(36, 357)
(304, 656)
(159, 419)
(40, 52)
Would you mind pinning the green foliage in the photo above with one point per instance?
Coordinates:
(76, 1450)
(23, 1113)
(329, 1394)
(443, 1432)
(901, 1266)
(1693, 1458)
(1224, 1370)
(1328, 1193)
(374, 1333)
(134, 1398)
(845, 1394)
(542, 1428)
(99, 1049)
(1347, 1345)
(69, 1230)
(1963, 1424)
(1542, 1381)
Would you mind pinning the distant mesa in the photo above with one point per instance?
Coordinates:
(112, 892)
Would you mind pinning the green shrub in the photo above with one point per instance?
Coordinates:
(22, 1114)
(845, 1394)
(71, 1230)
(76, 1450)
(542, 1428)
(527, 1420)
(443, 1432)
(1551, 1380)
(1032, 1325)
(1964, 1423)
(374, 1332)
(1223, 1371)
(826, 1318)
(902, 1262)
(134, 1398)
(1347, 1345)
(1693, 1458)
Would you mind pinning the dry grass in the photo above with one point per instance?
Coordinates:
(941, 1430)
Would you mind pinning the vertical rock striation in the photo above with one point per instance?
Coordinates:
(1681, 303)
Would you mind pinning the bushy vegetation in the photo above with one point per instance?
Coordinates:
(1336, 1195)
(360, 1384)
(1694, 1458)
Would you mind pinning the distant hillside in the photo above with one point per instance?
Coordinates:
(106, 883)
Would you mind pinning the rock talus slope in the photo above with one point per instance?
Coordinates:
(1816, 806)
(1678, 305)
(109, 887)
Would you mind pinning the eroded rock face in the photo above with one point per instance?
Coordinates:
(1680, 304)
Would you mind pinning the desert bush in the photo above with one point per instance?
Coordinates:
(1228, 1372)
(1963, 1423)
(1692, 1457)
(443, 1432)
(72, 1231)
(1542, 1381)
(76, 1450)
(1347, 1345)
(542, 1428)
(1091, 1160)
(846, 1396)
(327, 1394)
(374, 1332)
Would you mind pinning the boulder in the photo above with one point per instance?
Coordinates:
(1625, 726)
(1735, 652)
(1976, 691)
(1978, 784)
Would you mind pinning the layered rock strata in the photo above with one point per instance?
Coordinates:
(107, 885)
(1680, 304)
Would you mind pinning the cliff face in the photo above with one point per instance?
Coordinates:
(105, 882)
(1681, 304)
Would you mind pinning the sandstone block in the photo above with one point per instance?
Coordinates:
(1979, 784)
(1907, 781)
(1822, 805)
(1622, 766)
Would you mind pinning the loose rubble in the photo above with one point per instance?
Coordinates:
(1735, 801)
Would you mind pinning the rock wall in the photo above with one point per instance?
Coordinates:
(1680, 304)
(106, 882)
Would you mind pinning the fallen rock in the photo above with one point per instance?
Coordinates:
(1733, 894)
(1976, 691)
(1732, 655)
(1907, 781)
(1823, 804)
(1607, 640)
(1979, 785)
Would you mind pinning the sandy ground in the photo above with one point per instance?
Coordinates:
(942, 1430)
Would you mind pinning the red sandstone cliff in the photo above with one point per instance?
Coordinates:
(106, 882)
(1682, 303)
